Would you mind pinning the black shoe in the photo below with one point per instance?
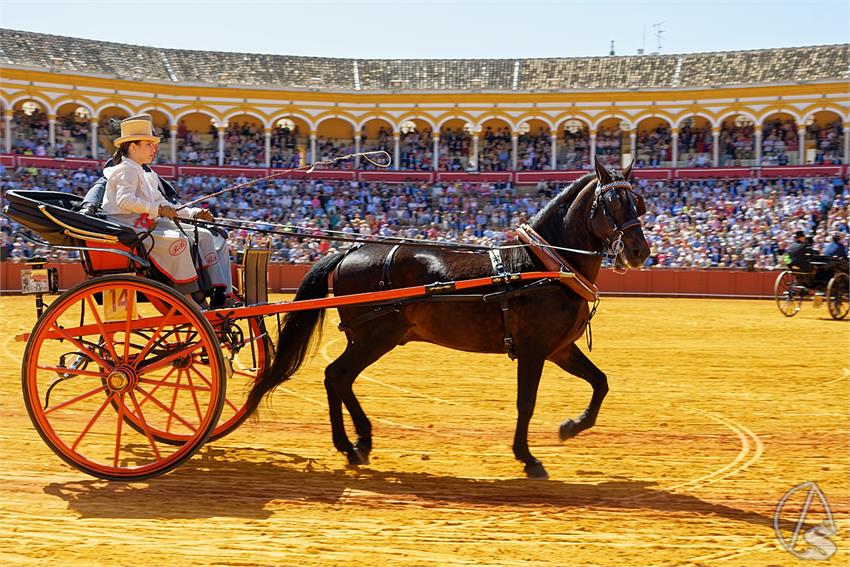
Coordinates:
(227, 302)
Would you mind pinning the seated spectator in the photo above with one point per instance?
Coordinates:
(836, 248)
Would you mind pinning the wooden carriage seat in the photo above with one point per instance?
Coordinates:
(253, 276)
(107, 262)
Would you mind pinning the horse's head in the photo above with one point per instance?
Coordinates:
(615, 217)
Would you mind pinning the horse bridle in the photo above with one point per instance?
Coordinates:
(604, 193)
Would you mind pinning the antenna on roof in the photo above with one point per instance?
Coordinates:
(658, 32)
(612, 48)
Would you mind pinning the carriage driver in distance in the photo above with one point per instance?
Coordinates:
(135, 197)
(817, 269)
(801, 252)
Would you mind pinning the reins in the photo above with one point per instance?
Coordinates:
(536, 244)
(306, 169)
(338, 235)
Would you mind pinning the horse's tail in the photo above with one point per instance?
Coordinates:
(296, 333)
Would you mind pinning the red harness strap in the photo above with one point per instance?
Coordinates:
(553, 261)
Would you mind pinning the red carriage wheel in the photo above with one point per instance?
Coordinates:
(106, 375)
(247, 350)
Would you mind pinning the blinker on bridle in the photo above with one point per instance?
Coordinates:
(637, 201)
(614, 241)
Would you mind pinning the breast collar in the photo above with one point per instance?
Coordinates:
(553, 261)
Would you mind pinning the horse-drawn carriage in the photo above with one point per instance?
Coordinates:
(826, 282)
(125, 378)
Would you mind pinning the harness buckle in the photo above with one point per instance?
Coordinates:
(617, 246)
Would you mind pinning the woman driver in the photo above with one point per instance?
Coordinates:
(133, 198)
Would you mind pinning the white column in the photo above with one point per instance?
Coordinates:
(313, 157)
(93, 140)
(592, 147)
(51, 133)
(173, 131)
(553, 158)
(758, 144)
(220, 145)
(7, 117)
(514, 150)
(396, 150)
(267, 133)
(357, 140)
(436, 157)
(475, 149)
(801, 137)
(846, 126)
(674, 155)
(715, 147)
(632, 147)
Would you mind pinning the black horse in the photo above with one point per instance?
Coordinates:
(596, 213)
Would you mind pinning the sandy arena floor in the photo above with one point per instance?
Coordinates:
(716, 409)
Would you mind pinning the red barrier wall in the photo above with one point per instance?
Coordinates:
(494, 177)
(391, 176)
(659, 282)
(695, 283)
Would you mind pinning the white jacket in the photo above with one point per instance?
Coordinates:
(130, 189)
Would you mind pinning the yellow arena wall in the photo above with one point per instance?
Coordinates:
(799, 89)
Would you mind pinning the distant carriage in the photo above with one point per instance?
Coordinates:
(827, 282)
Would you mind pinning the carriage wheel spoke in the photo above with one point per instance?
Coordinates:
(156, 334)
(157, 382)
(172, 385)
(65, 335)
(66, 370)
(194, 397)
(166, 409)
(170, 358)
(118, 428)
(131, 300)
(246, 374)
(174, 400)
(92, 421)
(107, 337)
(231, 404)
(76, 399)
(204, 378)
(144, 425)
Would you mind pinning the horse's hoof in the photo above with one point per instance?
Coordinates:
(536, 471)
(567, 430)
(362, 456)
(357, 456)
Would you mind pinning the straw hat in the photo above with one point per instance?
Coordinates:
(137, 129)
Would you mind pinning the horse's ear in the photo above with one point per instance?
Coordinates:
(602, 174)
(628, 171)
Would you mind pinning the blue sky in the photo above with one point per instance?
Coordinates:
(403, 29)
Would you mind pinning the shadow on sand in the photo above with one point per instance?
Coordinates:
(242, 482)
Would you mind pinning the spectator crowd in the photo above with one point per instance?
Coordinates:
(244, 144)
(707, 223)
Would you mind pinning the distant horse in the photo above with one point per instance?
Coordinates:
(596, 213)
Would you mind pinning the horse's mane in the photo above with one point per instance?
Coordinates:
(550, 219)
